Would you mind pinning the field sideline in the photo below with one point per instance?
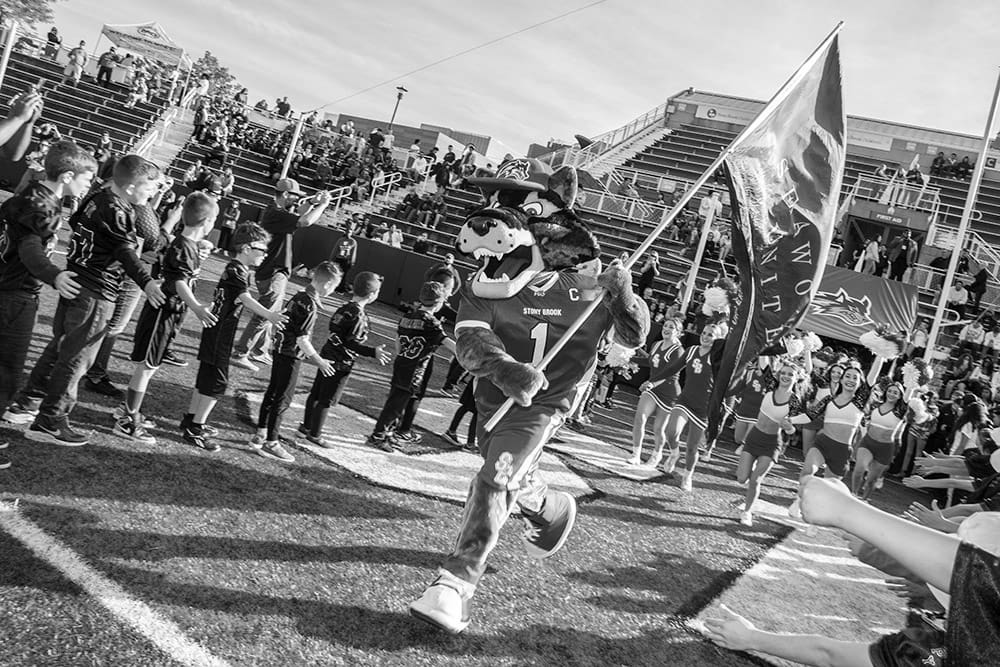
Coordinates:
(124, 554)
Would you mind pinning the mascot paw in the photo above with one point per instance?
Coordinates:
(616, 280)
(518, 381)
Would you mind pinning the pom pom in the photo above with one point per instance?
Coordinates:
(619, 356)
(794, 346)
(916, 373)
(916, 404)
(716, 302)
(883, 342)
(813, 342)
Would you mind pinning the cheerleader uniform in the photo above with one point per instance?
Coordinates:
(699, 379)
(837, 454)
(817, 424)
(891, 422)
(750, 402)
(660, 360)
(758, 443)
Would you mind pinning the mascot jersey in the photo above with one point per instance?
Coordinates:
(530, 322)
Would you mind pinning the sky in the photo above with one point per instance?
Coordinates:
(922, 62)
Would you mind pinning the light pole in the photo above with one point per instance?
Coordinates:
(400, 91)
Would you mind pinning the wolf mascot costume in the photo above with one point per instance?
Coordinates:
(540, 269)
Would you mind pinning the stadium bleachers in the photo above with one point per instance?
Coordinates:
(83, 112)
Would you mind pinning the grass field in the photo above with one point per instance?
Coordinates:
(236, 559)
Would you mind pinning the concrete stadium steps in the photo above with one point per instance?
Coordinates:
(82, 112)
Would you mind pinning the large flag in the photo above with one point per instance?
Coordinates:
(784, 175)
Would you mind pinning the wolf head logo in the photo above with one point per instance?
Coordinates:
(847, 309)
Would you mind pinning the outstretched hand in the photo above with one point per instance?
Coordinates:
(824, 501)
(731, 631)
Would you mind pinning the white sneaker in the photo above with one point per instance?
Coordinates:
(445, 603)
(243, 361)
(257, 442)
(794, 510)
(633, 460)
(879, 483)
(739, 450)
(687, 481)
(707, 456)
(672, 458)
(746, 518)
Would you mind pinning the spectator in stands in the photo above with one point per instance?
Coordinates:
(36, 166)
(217, 152)
(409, 207)
(283, 107)
(433, 211)
(649, 272)
(882, 264)
(193, 174)
(991, 344)
(977, 288)
(902, 255)
(963, 170)
(77, 61)
(971, 337)
(393, 237)
(939, 165)
(228, 182)
(104, 148)
(53, 43)
(449, 156)
(106, 66)
(261, 106)
(200, 121)
(138, 94)
(710, 207)
(917, 344)
(228, 219)
(442, 175)
(417, 169)
(957, 298)
(422, 245)
(725, 247)
(241, 98)
(375, 140)
(347, 129)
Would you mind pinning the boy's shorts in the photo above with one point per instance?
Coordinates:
(912, 647)
(212, 380)
(155, 330)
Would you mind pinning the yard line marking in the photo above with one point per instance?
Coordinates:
(165, 634)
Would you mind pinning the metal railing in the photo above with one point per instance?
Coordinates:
(897, 193)
(385, 181)
(663, 183)
(338, 196)
(945, 236)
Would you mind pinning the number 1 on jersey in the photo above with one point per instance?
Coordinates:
(539, 334)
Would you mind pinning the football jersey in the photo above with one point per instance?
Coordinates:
(280, 224)
(103, 230)
(420, 334)
(348, 333)
(180, 263)
(530, 322)
(36, 211)
(217, 342)
(301, 311)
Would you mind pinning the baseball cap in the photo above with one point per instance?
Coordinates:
(288, 185)
(366, 283)
(432, 293)
(518, 174)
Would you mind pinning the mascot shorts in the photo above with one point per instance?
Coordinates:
(508, 477)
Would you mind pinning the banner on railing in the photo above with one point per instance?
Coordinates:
(726, 114)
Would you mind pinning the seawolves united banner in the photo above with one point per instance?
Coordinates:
(784, 178)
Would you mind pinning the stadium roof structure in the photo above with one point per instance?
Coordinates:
(148, 40)
(942, 138)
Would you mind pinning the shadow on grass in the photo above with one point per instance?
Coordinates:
(164, 475)
(366, 629)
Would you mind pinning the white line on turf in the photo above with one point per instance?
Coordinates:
(165, 634)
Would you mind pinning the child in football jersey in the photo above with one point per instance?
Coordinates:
(348, 333)
(291, 345)
(103, 247)
(158, 325)
(419, 336)
(249, 243)
(28, 224)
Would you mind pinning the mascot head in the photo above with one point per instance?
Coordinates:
(527, 226)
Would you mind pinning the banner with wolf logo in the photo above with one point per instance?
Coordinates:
(849, 304)
(784, 178)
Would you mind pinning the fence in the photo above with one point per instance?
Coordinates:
(386, 182)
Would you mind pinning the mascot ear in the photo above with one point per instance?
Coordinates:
(564, 183)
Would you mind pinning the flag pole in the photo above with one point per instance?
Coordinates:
(963, 227)
(778, 97)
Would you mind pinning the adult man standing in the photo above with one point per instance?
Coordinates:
(710, 207)
(105, 66)
(280, 221)
(74, 68)
(53, 44)
(902, 255)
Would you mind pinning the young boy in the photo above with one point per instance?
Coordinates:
(231, 296)
(348, 333)
(419, 335)
(291, 346)
(28, 224)
(158, 325)
(103, 247)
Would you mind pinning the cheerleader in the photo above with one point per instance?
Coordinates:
(691, 408)
(658, 394)
(809, 431)
(778, 401)
(878, 446)
(842, 413)
(747, 410)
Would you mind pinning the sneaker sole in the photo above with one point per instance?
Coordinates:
(149, 440)
(437, 620)
(450, 440)
(539, 554)
(49, 438)
(19, 419)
